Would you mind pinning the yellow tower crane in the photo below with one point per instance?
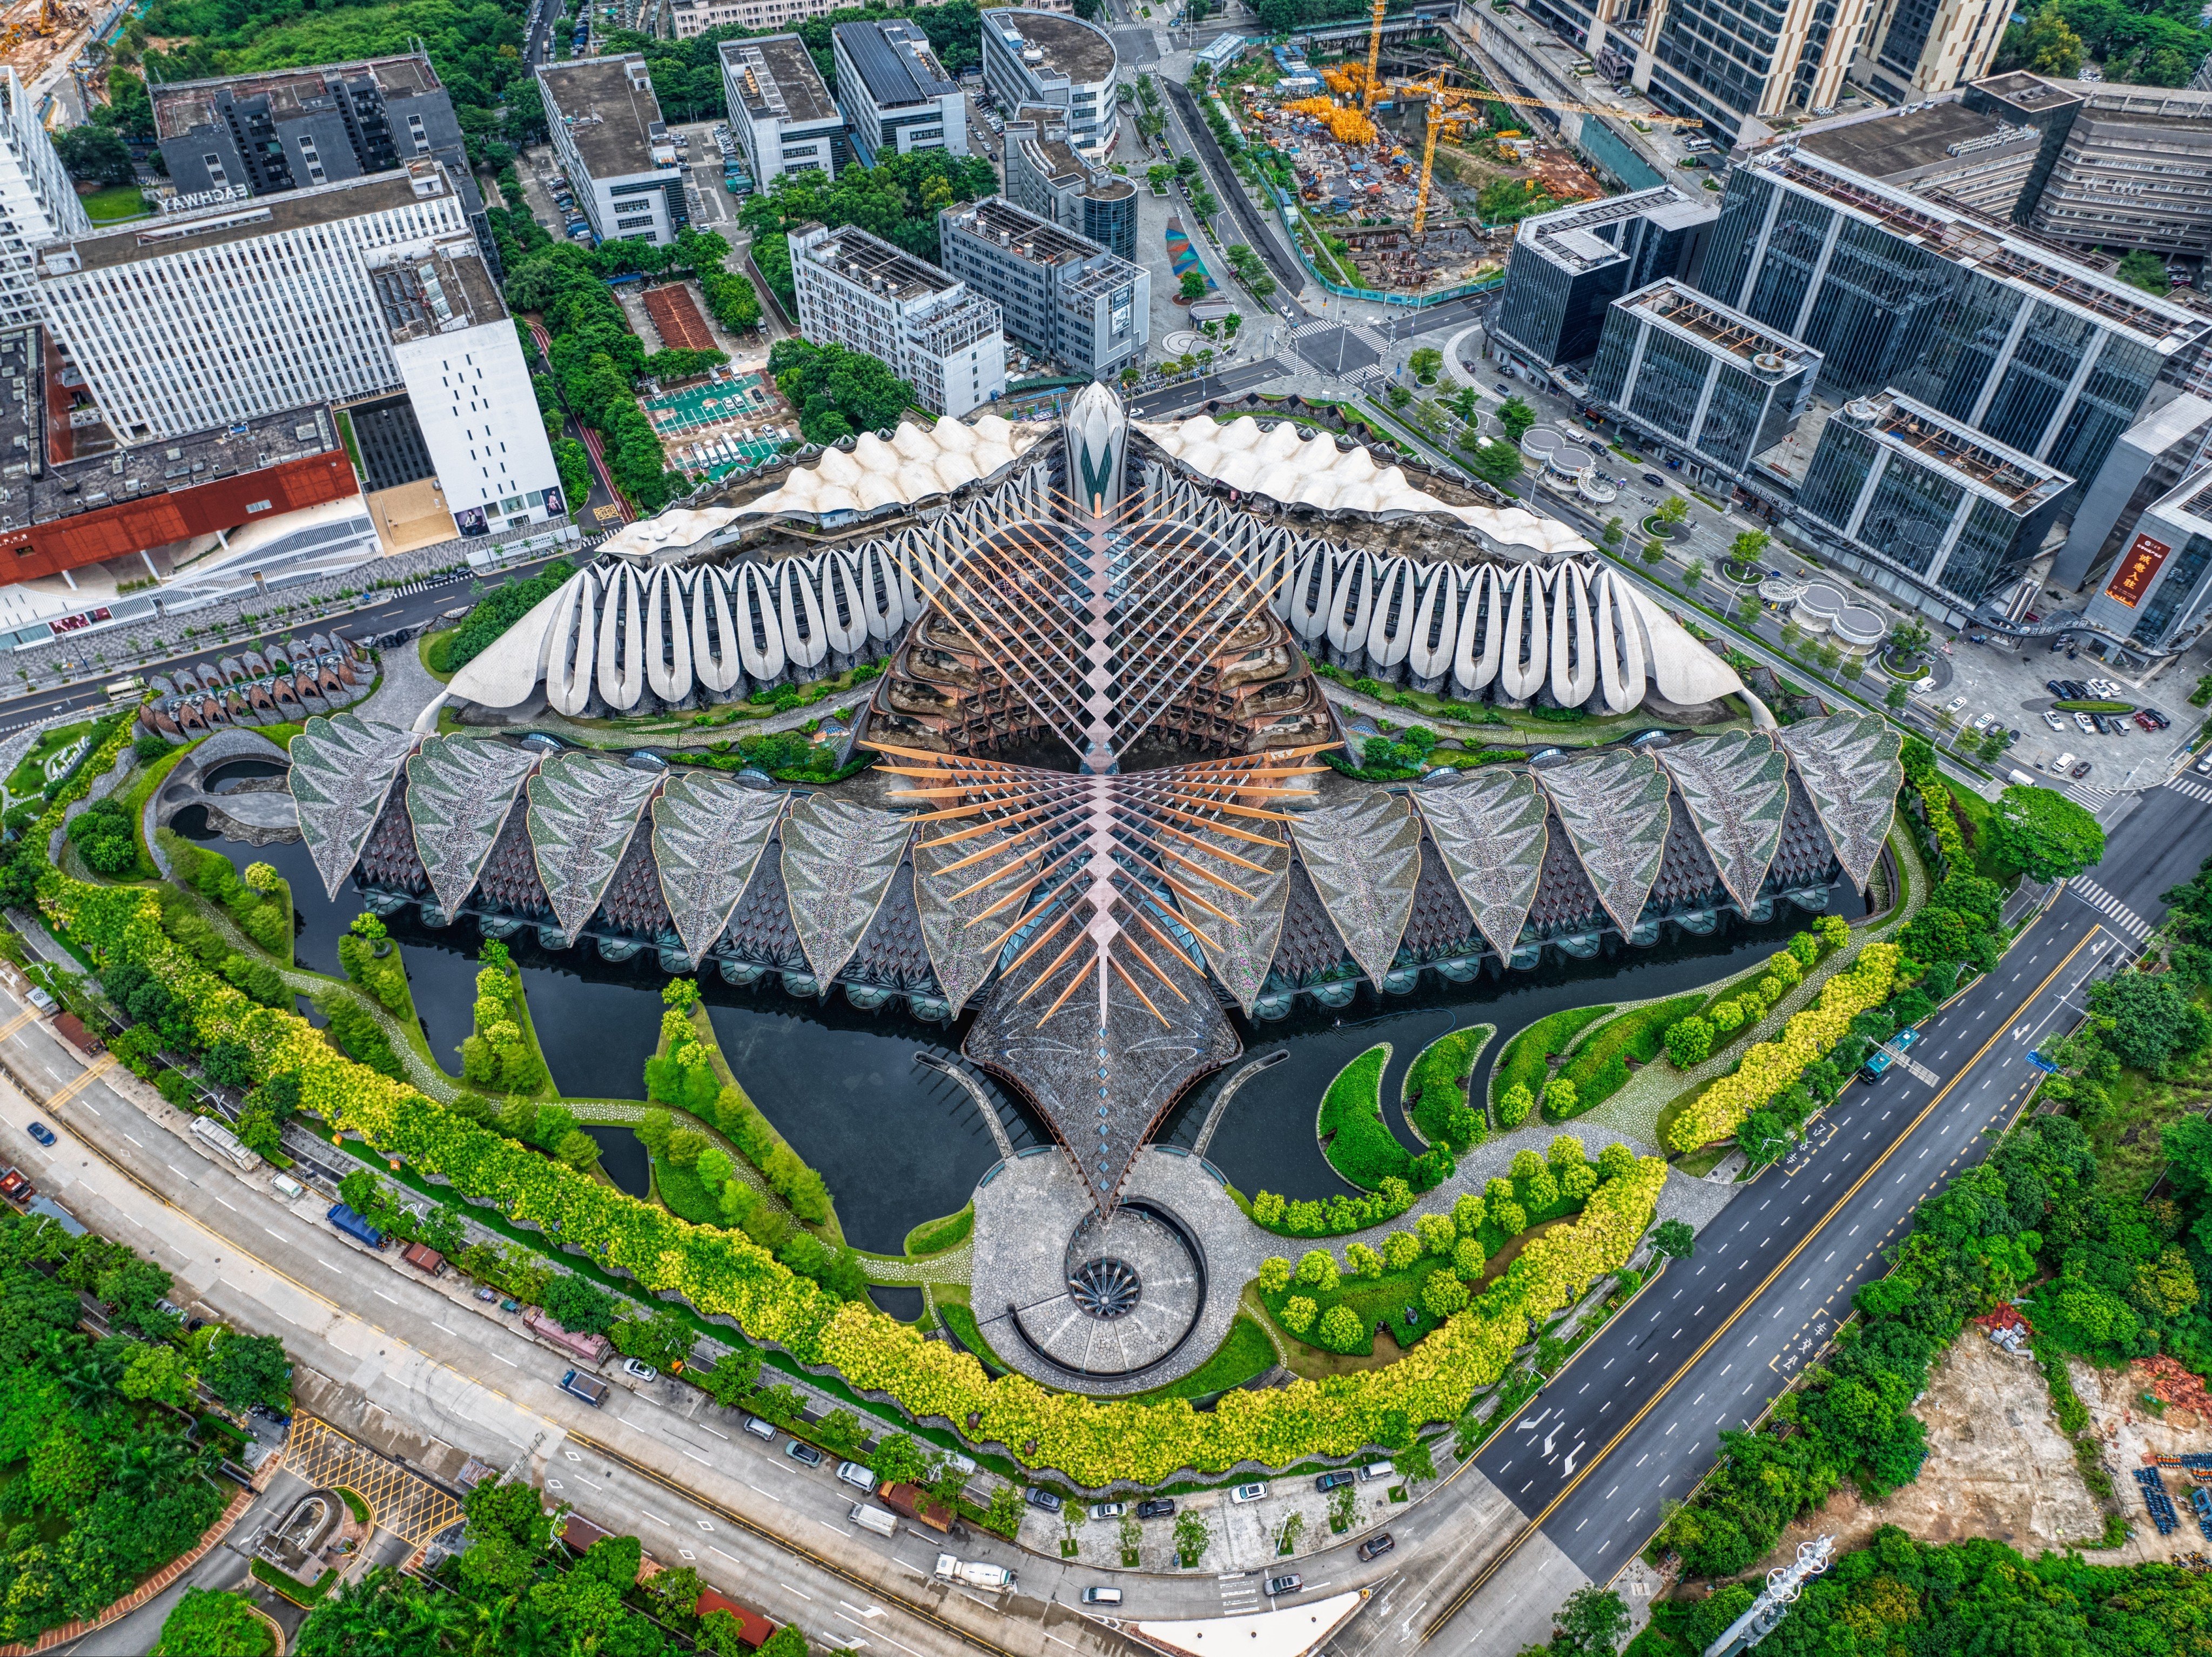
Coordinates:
(1440, 98)
(1374, 54)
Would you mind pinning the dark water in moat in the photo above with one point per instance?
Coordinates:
(899, 1143)
(623, 1158)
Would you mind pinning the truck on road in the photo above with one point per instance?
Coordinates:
(870, 1517)
(590, 1388)
(974, 1572)
(354, 1226)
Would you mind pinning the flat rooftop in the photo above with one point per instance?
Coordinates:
(1957, 236)
(2020, 481)
(1906, 141)
(1570, 235)
(1068, 44)
(1038, 240)
(869, 260)
(895, 61)
(38, 493)
(181, 105)
(775, 76)
(1692, 314)
(2026, 91)
(264, 216)
(613, 117)
(450, 290)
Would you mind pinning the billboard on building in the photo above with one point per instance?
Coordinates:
(2138, 568)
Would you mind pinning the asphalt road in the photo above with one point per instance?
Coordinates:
(1190, 393)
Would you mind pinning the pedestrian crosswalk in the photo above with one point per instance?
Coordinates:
(2123, 918)
(1240, 1596)
(1366, 376)
(2192, 788)
(428, 584)
(2094, 799)
(1305, 329)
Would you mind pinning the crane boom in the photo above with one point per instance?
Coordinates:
(1374, 54)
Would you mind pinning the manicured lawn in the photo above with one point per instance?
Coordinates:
(935, 1236)
(1447, 1062)
(1974, 814)
(116, 204)
(1523, 1061)
(962, 1322)
(1358, 1143)
(681, 1193)
(1598, 1067)
(1245, 1352)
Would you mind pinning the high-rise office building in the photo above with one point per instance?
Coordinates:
(611, 141)
(2160, 589)
(893, 94)
(1567, 267)
(859, 291)
(1047, 176)
(1925, 506)
(1895, 292)
(1033, 56)
(38, 203)
(1703, 383)
(1914, 48)
(781, 108)
(687, 18)
(290, 129)
(2169, 443)
(1061, 295)
(1976, 157)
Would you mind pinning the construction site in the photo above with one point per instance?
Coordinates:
(1404, 171)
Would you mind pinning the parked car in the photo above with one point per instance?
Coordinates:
(640, 1372)
(1375, 1470)
(2145, 720)
(1335, 1480)
(1042, 1499)
(1289, 1584)
(1161, 1506)
(2156, 718)
(2080, 770)
(801, 1450)
(2055, 688)
(1101, 1596)
(2087, 724)
(2054, 722)
(2204, 766)
(1951, 707)
(1253, 1492)
(42, 1133)
(1375, 1546)
(1503, 389)
(1108, 1509)
(590, 1388)
(856, 1476)
(2062, 762)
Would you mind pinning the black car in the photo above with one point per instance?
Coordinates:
(1375, 1546)
(1654, 480)
(1158, 1507)
(1043, 1499)
(1336, 1480)
(798, 1451)
(2157, 718)
(2054, 687)
(42, 1133)
(2077, 691)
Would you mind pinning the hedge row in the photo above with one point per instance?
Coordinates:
(1771, 1066)
(723, 1272)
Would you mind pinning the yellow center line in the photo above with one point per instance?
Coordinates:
(1536, 1524)
(70, 1090)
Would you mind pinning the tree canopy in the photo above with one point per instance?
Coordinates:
(838, 392)
(2045, 833)
(898, 200)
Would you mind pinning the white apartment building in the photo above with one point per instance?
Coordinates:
(1032, 57)
(859, 291)
(38, 204)
(779, 108)
(457, 352)
(239, 310)
(611, 141)
(895, 96)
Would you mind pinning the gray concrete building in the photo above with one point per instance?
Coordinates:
(2152, 456)
(2160, 593)
(1049, 177)
(1061, 295)
(860, 292)
(293, 129)
(1036, 58)
(895, 95)
(781, 108)
(611, 141)
(1976, 157)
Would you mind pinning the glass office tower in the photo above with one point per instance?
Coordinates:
(1567, 266)
(1925, 507)
(2160, 587)
(1990, 329)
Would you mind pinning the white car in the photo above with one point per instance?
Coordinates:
(2088, 725)
(640, 1372)
(1245, 1493)
(1955, 704)
(2104, 687)
(2054, 722)
(2064, 763)
(1985, 721)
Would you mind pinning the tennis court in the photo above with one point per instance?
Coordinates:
(677, 320)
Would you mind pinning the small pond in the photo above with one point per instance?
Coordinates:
(317, 924)
(228, 777)
(624, 1159)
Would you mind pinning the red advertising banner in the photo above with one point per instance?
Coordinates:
(2138, 566)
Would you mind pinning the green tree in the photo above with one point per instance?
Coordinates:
(1005, 1513)
(578, 1306)
(901, 1459)
(1192, 1539)
(1674, 1239)
(1425, 363)
(1614, 533)
(208, 1623)
(1672, 510)
(93, 155)
(1654, 550)
(1193, 285)
(1589, 1625)
(2153, 1022)
(2048, 44)
(247, 1369)
(1749, 547)
(1514, 415)
(2045, 833)
(1496, 462)
(1693, 572)
(2145, 269)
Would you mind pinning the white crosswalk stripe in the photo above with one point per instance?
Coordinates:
(2125, 919)
(1367, 375)
(1304, 329)
(2094, 798)
(2192, 788)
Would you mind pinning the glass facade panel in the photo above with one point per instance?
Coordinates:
(1732, 418)
(1669, 383)
(1871, 309)
(1837, 473)
(1609, 374)
(1793, 252)
(2044, 363)
(1736, 236)
(1980, 555)
(2165, 611)
(1533, 307)
(1958, 337)
(2115, 389)
(1910, 512)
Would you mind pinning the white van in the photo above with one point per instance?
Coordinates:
(1375, 1470)
(869, 1517)
(287, 1187)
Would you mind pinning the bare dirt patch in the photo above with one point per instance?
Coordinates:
(1997, 1466)
(2131, 1433)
